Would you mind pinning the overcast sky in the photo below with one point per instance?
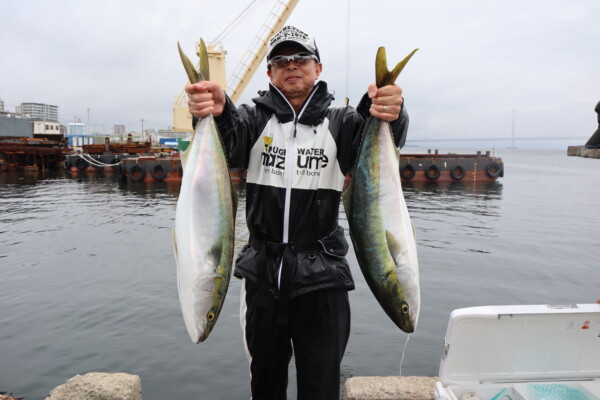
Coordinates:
(478, 59)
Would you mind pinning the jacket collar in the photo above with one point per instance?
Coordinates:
(313, 112)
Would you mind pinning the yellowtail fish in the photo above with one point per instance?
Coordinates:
(380, 227)
(203, 236)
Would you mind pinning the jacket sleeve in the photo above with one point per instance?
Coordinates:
(238, 133)
(350, 124)
(352, 121)
(399, 126)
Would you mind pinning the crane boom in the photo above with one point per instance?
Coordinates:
(182, 120)
(256, 52)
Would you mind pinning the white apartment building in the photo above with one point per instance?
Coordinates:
(39, 111)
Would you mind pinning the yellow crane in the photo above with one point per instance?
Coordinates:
(182, 119)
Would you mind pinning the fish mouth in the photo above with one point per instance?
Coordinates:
(202, 338)
(407, 323)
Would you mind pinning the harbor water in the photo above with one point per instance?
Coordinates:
(87, 275)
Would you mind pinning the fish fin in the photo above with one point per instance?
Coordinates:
(383, 76)
(188, 66)
(214, 253)
(204, 72)
(393, 246)
(184, 155)
(174, 235)
(235, 196)
(347, 200)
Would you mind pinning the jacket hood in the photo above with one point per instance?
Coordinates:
(312, 113)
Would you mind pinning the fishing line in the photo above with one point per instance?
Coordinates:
(347, 52)
(403, 351)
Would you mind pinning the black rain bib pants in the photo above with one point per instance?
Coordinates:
(316, 331)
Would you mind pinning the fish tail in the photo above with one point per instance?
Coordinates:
(188, 66)
(203, 72)
(383, 76)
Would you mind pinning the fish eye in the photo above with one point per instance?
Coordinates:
(404, 309)
(210, 317)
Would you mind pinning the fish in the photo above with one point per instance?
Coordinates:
(204, 229)
(381, 231)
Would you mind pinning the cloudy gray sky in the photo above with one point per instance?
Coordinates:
(478, 59)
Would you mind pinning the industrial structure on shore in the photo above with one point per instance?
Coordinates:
(31, 138)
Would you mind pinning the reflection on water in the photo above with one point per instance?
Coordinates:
(450, 213)
(87, 261)
(458, 189)
(150, 189)
(29, 177)
(154, 189)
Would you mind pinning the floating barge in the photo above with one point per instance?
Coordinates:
(158, 169)
(413, 168)
(450, 167)
(17, 152)
(108, 157)
(151, 169)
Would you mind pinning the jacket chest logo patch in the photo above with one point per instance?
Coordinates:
(309, 161)
(268, 140)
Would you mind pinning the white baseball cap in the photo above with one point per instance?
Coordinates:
(290, 34)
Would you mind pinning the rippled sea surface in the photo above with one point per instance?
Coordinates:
(87, 275)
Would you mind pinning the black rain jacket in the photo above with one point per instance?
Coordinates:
(292, 203)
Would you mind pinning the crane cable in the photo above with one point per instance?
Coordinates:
(224, 35)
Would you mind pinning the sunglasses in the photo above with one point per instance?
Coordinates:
(299, 59)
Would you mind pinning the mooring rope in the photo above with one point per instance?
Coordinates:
(98, 163)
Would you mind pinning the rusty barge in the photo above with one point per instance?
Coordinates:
(31, 154)
(451, 167)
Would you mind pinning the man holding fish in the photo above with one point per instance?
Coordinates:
(297, 151)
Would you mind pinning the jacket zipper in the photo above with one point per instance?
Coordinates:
(289, 178)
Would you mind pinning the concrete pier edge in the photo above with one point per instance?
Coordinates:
(123, 386)
(582, 151)
(390, 387)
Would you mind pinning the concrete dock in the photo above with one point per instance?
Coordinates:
(581, 151)
(390, 387)
(123, 386)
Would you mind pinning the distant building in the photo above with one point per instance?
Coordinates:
(76, 141)
(77, 129)
(12, 125)
(170, 133)
(46, 128)
(119, 130)
(1, 105)
(39, 111)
